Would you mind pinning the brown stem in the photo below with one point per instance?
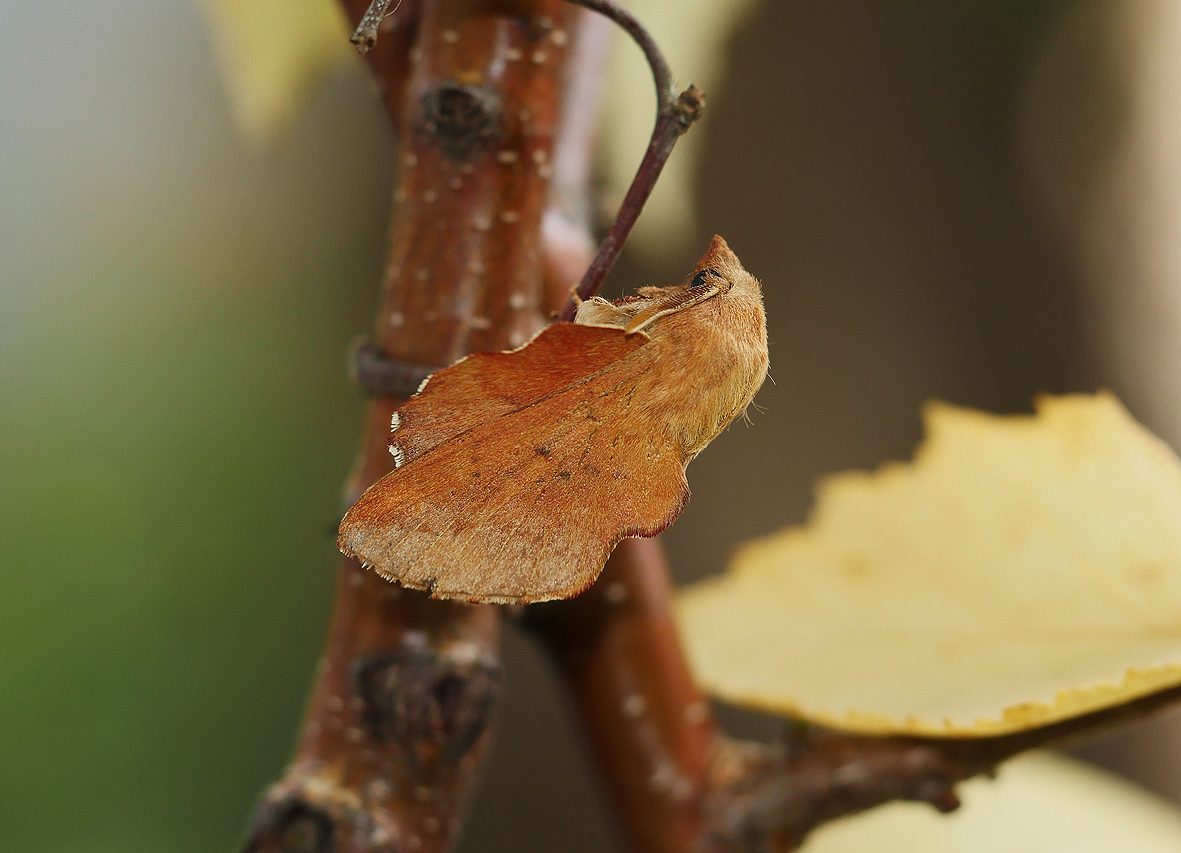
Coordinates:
(399, 719)
(773, 798)
(649, 728)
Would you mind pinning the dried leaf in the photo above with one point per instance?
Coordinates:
(273, 54)
(518, 472)
(1022, 570)
(1039, 803)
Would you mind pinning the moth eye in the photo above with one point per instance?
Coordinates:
(702, 277)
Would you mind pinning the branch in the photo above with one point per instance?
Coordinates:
(650, 730)
(400, 717)
(675, 114)
(775, 797)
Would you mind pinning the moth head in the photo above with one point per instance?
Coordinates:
(720, 266)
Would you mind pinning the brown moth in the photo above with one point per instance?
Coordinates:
(518, 472)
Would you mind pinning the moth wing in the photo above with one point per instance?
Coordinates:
(527, 507)
(486, 386)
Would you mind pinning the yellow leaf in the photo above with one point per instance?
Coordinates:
(1022, 570)
(273, 53)
(1038, 804)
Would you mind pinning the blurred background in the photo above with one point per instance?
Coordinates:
(975, 201)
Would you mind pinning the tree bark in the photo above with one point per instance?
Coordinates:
(400, 716)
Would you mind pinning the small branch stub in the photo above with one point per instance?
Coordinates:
(364, 37)
(461, 117)
(378, 375)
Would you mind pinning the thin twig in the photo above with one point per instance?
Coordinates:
(364, 37)
(675, 113)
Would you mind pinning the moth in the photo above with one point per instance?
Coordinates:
(518, 472)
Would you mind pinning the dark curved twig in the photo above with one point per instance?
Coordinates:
(675, 113)
(661, 74)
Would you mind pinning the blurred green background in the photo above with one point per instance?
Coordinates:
(975, 201)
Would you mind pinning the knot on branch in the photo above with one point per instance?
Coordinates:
(290, 826)
(378, 375)
(316, 816)
(435, 704)
(460, 117)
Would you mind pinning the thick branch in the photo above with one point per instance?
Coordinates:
(399, 719)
